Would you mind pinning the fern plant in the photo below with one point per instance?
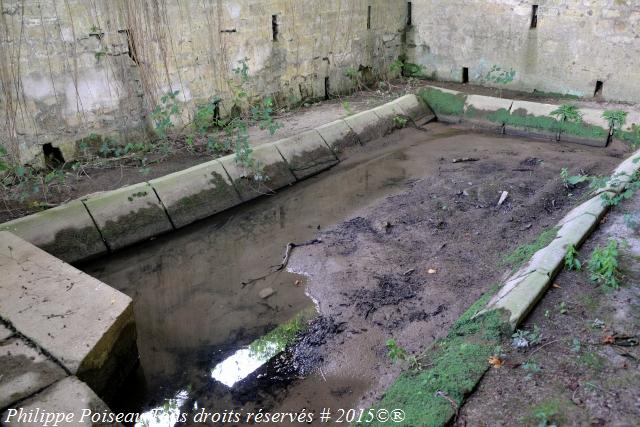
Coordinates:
(567, 113)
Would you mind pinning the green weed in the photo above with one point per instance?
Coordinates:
(616, 118)
(571, 261)
(400, 121)
(603, 265)
(568, 113)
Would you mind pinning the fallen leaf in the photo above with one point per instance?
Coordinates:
(555, 285)
(608, 339)
(496, 362)
(297, 282)
(431, 271)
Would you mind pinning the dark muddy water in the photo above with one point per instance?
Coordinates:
(197, 307)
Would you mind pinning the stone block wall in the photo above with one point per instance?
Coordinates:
(574, 44)
(73, 69)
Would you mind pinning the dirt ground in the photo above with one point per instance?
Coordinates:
(403, 267)
(585, 371)
(406, 268)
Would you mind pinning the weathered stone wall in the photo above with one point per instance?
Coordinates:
(575, 44)
(73, 68)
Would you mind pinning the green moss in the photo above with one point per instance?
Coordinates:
(283, 335)
(456, 364)
(633, 138)
(142, 222)
(215, 199)
(443, 103)
(584, 130)
(520, 118)
(72, 244)
(524, 252)
(592, 361)
(557, 95)
(549, 411)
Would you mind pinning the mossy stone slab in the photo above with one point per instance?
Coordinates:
(446, 104)
(338, 136)
(414, 108)
(128, 215)
(274, 169)
(196, 193)
(85, 325)
(306, 153)
(66, 231)
(486, 111)
(367, 125)
(532, 119)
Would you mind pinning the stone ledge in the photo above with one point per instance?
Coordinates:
(196, 193)
(274, 167)
(306, 154)
(366, 125)
(85, 325)
(338, 136)
(128, 215)
(66, 231)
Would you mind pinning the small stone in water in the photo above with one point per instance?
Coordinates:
(266, 292)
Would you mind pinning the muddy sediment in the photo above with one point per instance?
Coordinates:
(409, 240)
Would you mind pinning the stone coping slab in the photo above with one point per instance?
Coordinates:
(24, 371)
(196, 193)
(66, 231)
(69, 397)
(366, 125)
(85, 325)
(339, 137)
(415, 109)
(306, 154)
(275, 172)
(128, 215)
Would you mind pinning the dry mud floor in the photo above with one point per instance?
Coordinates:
(585, 371)
(409, 240)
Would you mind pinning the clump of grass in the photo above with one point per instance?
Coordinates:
(524, 252)
(456, 363)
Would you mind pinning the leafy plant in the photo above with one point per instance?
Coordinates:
(616, 118)
(4, 162)
(500, 77)
(400, 121)
(523, 338)
(562, 308)
(567, 113)
(398, 354)
(571, 180)
(531, 368)
(396, 66)
(262, 114)
(347, 108)
(630, 189)
(603, 265)
(571, 261)
(522, 253)
(162, 114)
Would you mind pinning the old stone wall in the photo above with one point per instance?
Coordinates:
(72, 69)
(573, 45)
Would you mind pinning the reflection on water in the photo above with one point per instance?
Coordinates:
(246, 360)
(166, 415)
